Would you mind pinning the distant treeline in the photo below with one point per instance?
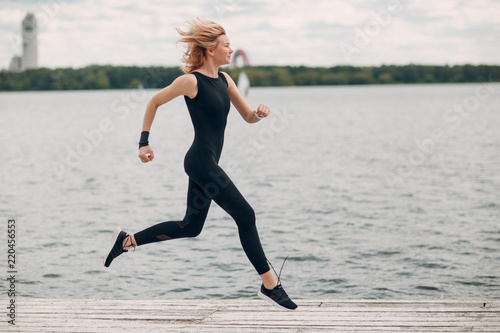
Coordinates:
(122, 77)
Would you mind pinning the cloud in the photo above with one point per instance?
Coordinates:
(109, 32)
(300, 32)
(120, 33)
(444, 32)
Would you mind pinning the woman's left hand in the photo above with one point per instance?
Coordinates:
(262, 111)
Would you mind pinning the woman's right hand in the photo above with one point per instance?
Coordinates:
(146, 154)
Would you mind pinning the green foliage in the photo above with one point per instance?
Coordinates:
(122, 77)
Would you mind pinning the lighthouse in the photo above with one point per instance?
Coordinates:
(29, 57)
(30, 44)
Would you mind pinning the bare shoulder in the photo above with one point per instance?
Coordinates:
(186, 80)
(186, 85)
(229, 80)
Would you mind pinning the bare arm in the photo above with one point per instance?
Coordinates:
(242, 106)
(183, 85)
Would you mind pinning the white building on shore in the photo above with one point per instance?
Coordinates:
(29, 58)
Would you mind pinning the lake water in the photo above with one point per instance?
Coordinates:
(373, 192)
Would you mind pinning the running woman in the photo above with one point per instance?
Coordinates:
(208, 94)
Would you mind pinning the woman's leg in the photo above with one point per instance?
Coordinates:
(218, 187)
(190, 226)
(212, 185)
(269, 280)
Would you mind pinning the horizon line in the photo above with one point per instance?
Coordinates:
(268, 65)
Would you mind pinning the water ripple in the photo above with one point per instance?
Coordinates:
(322, 192)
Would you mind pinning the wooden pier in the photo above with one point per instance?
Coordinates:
(130, 316)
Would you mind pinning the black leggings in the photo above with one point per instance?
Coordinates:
(205, 185)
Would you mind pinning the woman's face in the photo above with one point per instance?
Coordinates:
(222, 52)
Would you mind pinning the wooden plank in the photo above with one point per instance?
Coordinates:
(97, 316)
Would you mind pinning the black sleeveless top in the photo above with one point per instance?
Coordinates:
(208, 111)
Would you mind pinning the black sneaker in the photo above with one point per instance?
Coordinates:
(277, 296)
(115, 247)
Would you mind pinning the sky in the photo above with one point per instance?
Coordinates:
(327, 33)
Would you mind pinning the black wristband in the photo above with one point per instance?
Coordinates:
(144, 139)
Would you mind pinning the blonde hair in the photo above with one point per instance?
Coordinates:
(202, 34)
